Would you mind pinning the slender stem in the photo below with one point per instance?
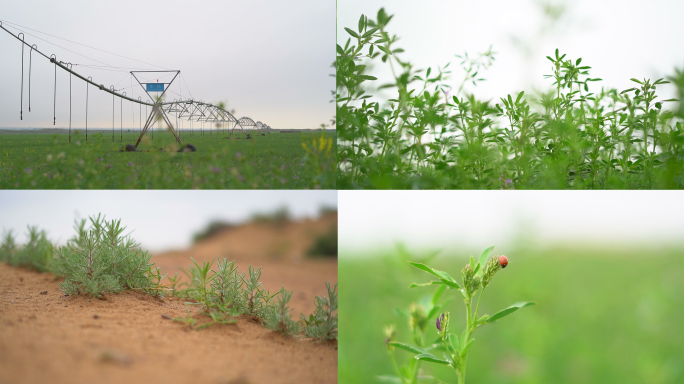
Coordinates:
(477, 308)
(462, 361)
(396, 367)
(453, 357)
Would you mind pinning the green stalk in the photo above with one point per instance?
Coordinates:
(396, 367)
(462, 362)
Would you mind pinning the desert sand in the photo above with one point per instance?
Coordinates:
(47, 337)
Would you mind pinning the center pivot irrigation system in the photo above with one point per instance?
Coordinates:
(188, 109)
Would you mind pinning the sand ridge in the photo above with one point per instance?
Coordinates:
(46, 336)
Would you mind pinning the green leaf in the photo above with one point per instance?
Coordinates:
(361, 23)
(636, 81)
(351, 32)
(442, 275)
(438, 295)
(520, 95)
(453, 340)
(431, 358)
(509, 310)
(476, 270)
(366, 77)
(409, 347)
(434, 282)
(463, 340)
(369, 33)
(451, 283)
(485, 254)
(389, 379)
(472, 261)
(467, 346)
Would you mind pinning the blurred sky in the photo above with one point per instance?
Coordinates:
(269, 60)
(618, 39)
(478, 219)
(160, 219)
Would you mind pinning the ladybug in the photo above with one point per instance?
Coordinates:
(503, 261)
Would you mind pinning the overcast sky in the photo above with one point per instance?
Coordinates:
(371, 220)
(161, 219)
(618, 39)
(269, 60)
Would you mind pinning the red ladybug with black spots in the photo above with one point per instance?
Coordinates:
(503, 261)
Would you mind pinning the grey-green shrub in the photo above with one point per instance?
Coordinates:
(278, 317)
(100, 259)
(255, 297)
(322, 324)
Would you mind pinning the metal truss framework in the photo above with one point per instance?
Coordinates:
(183, 109)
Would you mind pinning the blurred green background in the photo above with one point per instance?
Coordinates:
(603, 314)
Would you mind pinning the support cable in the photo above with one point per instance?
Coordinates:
(54, 96)
(21, 111)
(121, 118)
(70, 76)
(132, 107)
(111, 87)
(30, 61)
(87, 87)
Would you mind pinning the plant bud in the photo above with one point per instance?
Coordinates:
(443, 324)
(467, 274)
(470, 282)
(418, 318)
(492, 267)
(391, 335)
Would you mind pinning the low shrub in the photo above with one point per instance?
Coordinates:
(100, 259)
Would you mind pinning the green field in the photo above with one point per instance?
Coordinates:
(274, 161)
(601, 316)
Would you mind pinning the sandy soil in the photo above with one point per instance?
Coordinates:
(46, 336)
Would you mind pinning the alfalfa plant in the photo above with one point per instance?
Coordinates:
(322, 324)
(476, 277)
(101, 259)
(278, 317)
(37, 253)
(431, 134)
